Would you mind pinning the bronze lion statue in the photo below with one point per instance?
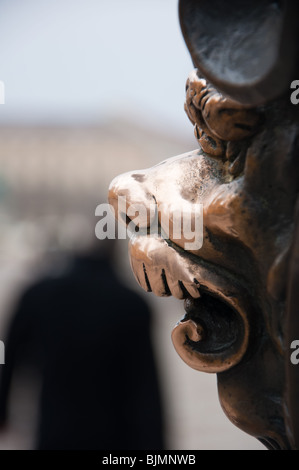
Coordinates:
(238, 282)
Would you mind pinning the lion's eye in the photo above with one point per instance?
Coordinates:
(233, 152)
(210, 145)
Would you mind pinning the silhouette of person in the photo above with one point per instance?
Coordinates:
(89, 337)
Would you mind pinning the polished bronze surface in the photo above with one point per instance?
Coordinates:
(235, 284)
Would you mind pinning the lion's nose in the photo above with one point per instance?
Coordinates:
(130, 197)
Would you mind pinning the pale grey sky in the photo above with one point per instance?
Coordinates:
(89, 60)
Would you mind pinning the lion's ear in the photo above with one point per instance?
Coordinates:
(213, 337)
(239, 46)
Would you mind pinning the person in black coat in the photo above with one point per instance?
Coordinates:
(89, 337)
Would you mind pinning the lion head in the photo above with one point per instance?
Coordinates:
(233, 283)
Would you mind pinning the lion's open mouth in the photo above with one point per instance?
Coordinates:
(214, 332)
(218, 322)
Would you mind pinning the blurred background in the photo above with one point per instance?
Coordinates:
(93, 88)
